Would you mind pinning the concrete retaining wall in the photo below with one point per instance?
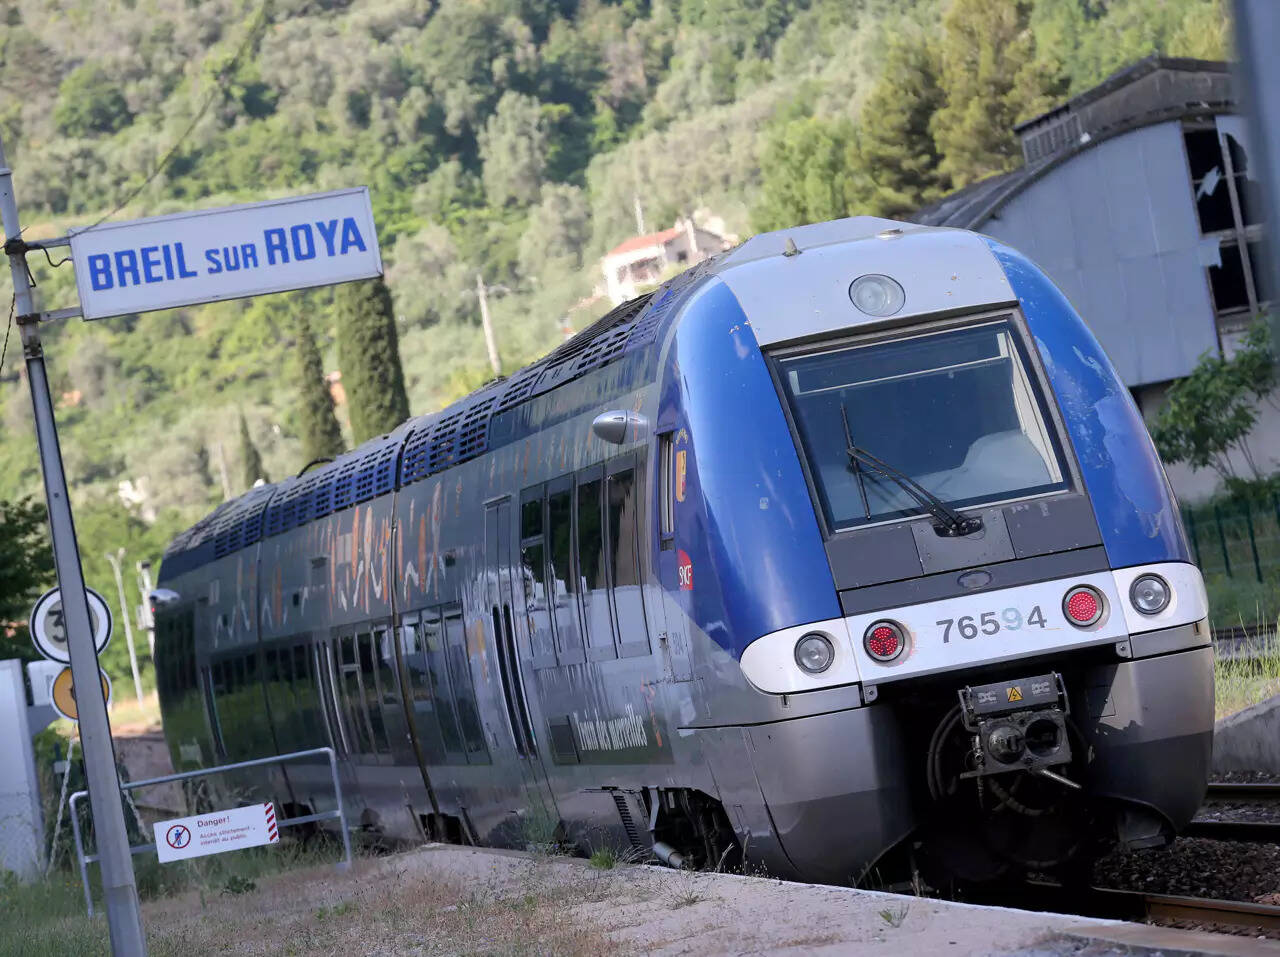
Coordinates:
(1249, 740)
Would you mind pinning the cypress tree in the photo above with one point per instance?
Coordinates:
(250, 457)
(991, 79)
(318, 426)
(895, 147)
(369, 355)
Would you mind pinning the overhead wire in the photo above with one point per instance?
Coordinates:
(8, 328)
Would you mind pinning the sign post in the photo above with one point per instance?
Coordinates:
(140, 266)
(118, 885)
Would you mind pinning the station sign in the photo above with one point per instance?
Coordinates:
(62, 693)
(228, 253)
(49, 628)
(215, 832)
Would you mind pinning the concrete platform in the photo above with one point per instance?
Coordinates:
(659, 911)
(1249, 740)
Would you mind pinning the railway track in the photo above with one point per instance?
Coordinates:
(1257, 793)
(1250, 831)
(1128, 905)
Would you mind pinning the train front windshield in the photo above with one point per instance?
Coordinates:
(957, 411)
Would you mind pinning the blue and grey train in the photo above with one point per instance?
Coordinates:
(843, 553)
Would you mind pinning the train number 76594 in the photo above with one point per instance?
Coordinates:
(990, 623)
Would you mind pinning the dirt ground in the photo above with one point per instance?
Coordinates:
(451, 900)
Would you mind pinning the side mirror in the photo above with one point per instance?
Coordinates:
(164, 596)
(614, 426)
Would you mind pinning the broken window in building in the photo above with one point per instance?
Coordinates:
(1227, 281)
(1229, 209)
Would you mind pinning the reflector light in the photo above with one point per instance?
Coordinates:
(1150, 594)
(1083, 606)
(884, 641)
(814, 653)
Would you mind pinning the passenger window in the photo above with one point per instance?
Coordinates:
(624, 571)
(307, 698)
(353, 696)
(591, 570)
(667, 483)
(533, 580)
(561, 585)
(372, 703)
(437, 671)
(463, 691)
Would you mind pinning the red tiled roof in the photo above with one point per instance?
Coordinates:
(640, 242)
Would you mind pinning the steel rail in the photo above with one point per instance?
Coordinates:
(1260, 792)
(1253, 832)
(1209, 911)
(1130, 905)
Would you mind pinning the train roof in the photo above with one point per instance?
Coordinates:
(428, 444)
(424, 445)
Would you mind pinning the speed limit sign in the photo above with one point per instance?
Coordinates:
(49, 630)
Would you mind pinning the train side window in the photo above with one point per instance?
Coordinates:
(212, 689)
(372, 700)
(624, 565)
(307, 697)
(533, 578)
(422, 705)
(433, 641)
(667, 487)
(464, 694)
(288, 721)
(593, 583)
(562, 587)
(353, 706)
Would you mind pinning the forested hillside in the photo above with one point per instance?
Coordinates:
(506, 138)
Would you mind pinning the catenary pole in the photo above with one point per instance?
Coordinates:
(124, 614)
(1257, 23)
(144, 586)
(119, 889)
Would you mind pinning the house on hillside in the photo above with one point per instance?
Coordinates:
(1139, 198)
(644, 260)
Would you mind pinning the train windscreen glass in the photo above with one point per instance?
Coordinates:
(956, 411)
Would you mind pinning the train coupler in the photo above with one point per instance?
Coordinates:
(1018, 725)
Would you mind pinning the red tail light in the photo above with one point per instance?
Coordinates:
(884, 641)
(1082, 606)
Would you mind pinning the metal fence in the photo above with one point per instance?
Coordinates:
(339, 813)
(1236, 540)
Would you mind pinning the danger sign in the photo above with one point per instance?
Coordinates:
(216, 832)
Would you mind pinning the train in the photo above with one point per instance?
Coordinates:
(843, 556)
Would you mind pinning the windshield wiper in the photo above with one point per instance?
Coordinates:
(952, 523)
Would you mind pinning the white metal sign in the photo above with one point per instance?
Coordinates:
(49, 630)
(227, 253)
(216, 832)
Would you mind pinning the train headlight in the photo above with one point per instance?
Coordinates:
(1083, 606)
(884, 641)
(814, 653)
(1150, 594)
(877, 295)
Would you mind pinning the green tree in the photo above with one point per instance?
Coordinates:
(1208, 415)
(513, 147)
(895, 148)
(991, 79)
(89, 102)
(318, 426)
(26, 569)
(369, 355)
(250, 457)
(808, 176)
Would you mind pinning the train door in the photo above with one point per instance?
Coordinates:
(506, 622)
